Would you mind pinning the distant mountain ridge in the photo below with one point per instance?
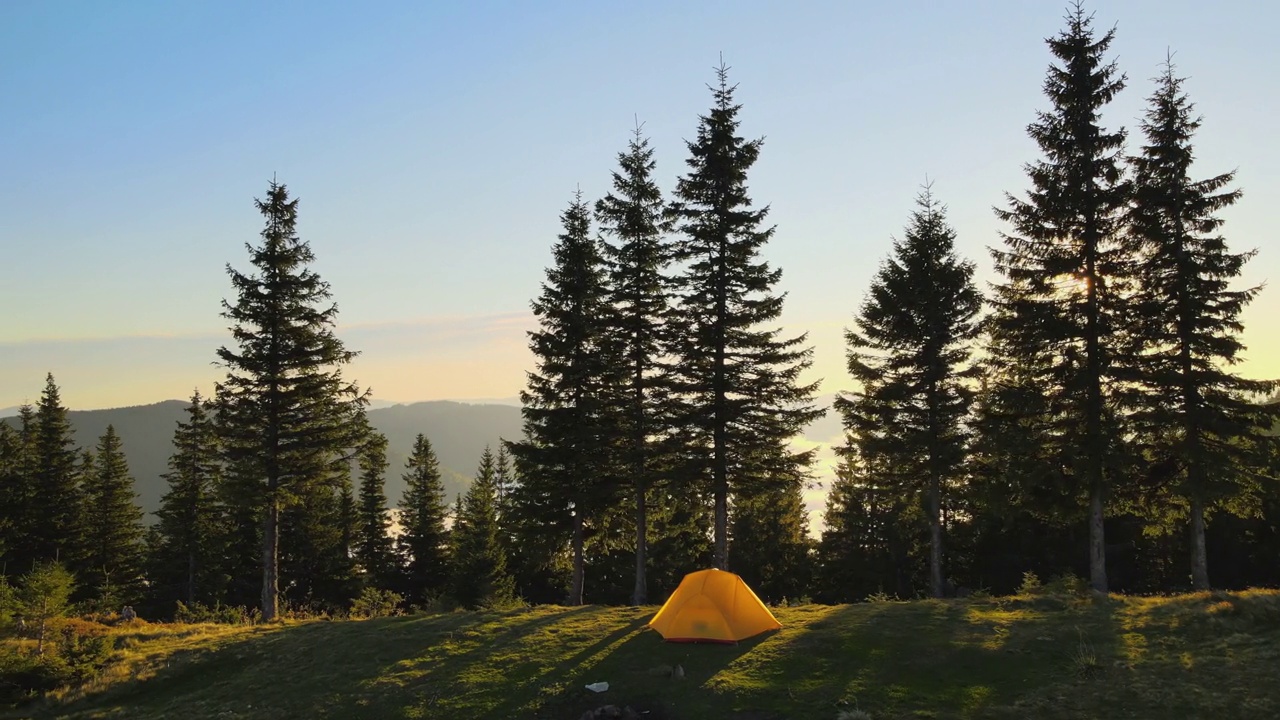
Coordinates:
(458, 433)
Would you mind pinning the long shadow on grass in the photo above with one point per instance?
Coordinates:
(949, 658)
(1193, 656)
(321, 669)
(663, 680)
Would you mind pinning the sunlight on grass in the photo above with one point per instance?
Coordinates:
(1201, 655)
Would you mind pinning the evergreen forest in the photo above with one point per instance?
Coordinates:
(1083, 419)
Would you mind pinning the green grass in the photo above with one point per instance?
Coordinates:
(1195, 656)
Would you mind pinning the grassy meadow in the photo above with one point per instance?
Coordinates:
(1207, 655)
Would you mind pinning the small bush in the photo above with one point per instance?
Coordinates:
(83, 655)
(374, 603)
(1030, 584)
(880, 596)
(1068, 584)
(505, 604)
(220, 614)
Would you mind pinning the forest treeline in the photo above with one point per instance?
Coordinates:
(1082, 418)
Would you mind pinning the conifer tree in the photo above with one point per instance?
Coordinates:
(1065, 270)
(680, 522)
(853, 558)
(316, 537)
(113, 555)
(86, 472)
(565, 459)
(909, 354)
(423, 509)
(18, 514)
(12, 493)
(633, 216)
(1018, 494)
(374, 549)
(504, 481)
(44, 595)
(186, 556)
(1194, 410)
(54, 530)
(741, 401)
(772, 548)
(287, 417)
(240, 507)
(480, 576)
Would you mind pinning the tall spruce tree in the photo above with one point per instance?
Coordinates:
(186, 556)
(113, 557)
(633, 217)
(286, 415)
(480, 576)
(1065, 270)
(909, 355)
(374, 548)
(54, 528)
(1195, 412)
(423, 509)
(737, 382)
(565, 459)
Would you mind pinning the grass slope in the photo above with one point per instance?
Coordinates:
(1196, 656)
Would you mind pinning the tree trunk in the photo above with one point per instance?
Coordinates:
(1199, 557)
(935, 536)
(720, 473)
(270, 560)
(1095, 443)
(1193, 450)
(639, 596)
(575, 590)
(722, 513)
(1097, 543)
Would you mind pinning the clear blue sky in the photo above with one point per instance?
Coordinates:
(434, 144)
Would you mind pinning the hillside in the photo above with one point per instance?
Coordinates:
(457, 431)
(1195, 656)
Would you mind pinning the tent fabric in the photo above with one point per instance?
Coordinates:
(712, 606)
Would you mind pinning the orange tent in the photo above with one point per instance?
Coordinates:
(712, 606)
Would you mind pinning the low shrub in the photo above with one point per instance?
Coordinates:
(374, 603)
(1030, 584)
(1068, 584)
(219, 614)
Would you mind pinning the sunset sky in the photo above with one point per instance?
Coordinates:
(434, 145)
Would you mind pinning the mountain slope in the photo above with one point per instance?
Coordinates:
(457, 431)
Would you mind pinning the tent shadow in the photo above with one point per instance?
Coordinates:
(651, 676)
